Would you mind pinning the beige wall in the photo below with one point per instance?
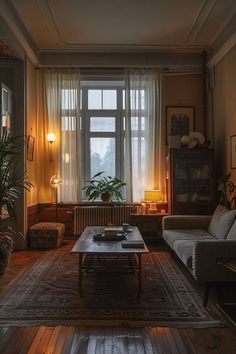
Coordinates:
(224, 111)
(177, 90)
(185, 90)
(31, 128)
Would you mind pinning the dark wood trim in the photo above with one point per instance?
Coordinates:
(32, 215)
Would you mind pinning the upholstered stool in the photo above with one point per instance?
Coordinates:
(46, 235)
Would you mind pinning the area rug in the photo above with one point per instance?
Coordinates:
(47, 294)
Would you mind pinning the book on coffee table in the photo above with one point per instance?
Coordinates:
(133, 244)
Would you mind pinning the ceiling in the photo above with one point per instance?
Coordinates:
(49, 26)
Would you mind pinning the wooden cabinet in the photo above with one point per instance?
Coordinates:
(192, 181)
(149, 225)
(47, 212)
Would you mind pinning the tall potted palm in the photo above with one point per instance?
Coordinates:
(12, 182)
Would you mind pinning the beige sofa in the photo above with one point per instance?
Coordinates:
(199, 241)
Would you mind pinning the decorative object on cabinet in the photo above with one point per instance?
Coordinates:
(152, 200)
(233, 150)
(179, 121)
(192, 181)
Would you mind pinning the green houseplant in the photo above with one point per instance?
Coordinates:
(12, 182)
(104, 187)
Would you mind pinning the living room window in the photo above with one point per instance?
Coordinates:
(105, 123)
(102, 115)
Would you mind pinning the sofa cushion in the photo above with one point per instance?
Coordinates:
(170, 236)
(184, 250)
(232, 232)
(221, 222)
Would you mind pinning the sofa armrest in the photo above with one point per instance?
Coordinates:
(186, 222)
(205, 257)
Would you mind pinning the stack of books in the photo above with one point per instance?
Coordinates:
(111, 233)
(133, 244)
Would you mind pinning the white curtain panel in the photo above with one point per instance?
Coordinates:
(63, 109)
(142, 132)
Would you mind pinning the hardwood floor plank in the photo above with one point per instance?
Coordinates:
(171, 342)
(7, 336)
(92, 342)
(107, 341)
(16, 342)
(147, 343)
(68, 340)
(60, 340)
(116, 345)
(180, 344)
(156, 345)
(80, 341)
(41, 340)
(31, 334)
(53, 340)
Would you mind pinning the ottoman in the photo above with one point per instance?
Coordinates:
(46, 235)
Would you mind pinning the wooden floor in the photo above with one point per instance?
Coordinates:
(104, 340)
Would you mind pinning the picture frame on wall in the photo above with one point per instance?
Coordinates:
(180, 120)
(30, 147)
(233, 150)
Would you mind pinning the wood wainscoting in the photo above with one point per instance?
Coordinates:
(32, 215)
(46, 212)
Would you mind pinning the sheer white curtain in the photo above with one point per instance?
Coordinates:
(63, 110)
(142, 134)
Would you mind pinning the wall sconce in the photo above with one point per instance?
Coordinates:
(152, 197)
(51, 137)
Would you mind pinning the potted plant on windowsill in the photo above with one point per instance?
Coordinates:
(12, 181)
(105, 187)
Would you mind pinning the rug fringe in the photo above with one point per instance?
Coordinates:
(113, 323)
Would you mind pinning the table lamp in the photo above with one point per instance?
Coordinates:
(152, 196)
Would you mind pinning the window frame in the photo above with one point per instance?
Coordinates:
(119, 133)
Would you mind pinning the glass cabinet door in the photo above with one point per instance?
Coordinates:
(6, 98)
(192, 183)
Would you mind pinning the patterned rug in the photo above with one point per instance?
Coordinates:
(47, 294)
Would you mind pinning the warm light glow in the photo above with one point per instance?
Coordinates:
(153, 195)
(55, 181)
(51, 137)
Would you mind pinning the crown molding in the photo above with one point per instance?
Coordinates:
(14, 24)
(229, 44)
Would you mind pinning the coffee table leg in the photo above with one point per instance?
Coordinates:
(139, 273)
(80, 272)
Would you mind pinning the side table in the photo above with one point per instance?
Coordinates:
(150, 225)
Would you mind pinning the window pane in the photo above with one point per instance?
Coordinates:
(109, 99)
(69, 99)
(135, 123)
(123, 99)
(102, 124)
(102, 156)
(94, 99)
(137, 99)
(68, 123)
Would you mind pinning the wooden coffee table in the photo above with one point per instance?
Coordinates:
(91, 252)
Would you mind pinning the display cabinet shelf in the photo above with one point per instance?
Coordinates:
(192, 188)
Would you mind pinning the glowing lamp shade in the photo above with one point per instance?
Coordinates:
(55, 181)
(153, 195)
(51, 137)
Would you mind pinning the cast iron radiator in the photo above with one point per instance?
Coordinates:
(101, 216)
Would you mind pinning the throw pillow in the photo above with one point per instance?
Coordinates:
(221, 222)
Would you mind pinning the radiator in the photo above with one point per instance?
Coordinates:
(101, 216)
